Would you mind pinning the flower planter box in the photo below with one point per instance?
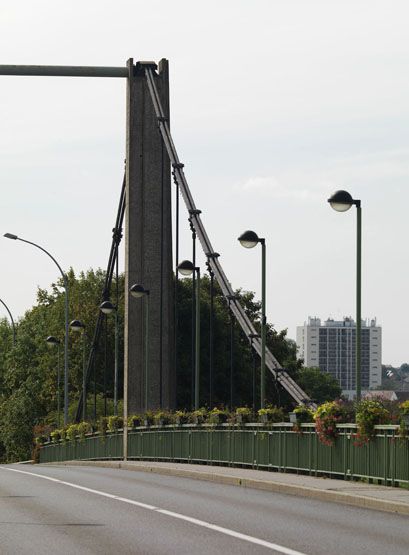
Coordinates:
(293, 417)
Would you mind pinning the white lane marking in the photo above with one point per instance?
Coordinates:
(202, 523)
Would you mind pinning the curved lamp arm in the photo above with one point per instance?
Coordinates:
(12, 321)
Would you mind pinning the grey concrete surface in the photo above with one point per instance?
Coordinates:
(39, 516)
(358, 494)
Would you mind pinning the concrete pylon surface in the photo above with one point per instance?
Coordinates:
(148, 247)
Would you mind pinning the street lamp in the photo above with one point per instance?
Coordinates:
(138, 291)
(186, 268)
(249, 239)
(65, 281)
(51, 341)
(11, 320)
(78, 327)
(108, 308)
(341, 201)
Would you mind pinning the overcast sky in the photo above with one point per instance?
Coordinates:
(274, 105)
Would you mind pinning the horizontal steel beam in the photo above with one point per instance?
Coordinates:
(65, 71)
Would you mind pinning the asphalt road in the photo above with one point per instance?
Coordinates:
(109, 511)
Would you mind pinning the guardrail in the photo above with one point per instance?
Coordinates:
(277, 446)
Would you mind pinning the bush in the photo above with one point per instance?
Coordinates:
(198, 416)
(271, 414)
(83, 429)
(163, 418)
(328, 415)
(218, 416)
(72, 432)
(304, 414)
(56, 435)
(135, 420)
(181, 417)
(243, 415)
(369, 413)
(115, 423)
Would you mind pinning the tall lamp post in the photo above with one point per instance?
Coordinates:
(11, 320)
(249, 239)
(186, 268)
(78, 326)
(65, 281)
(51, 340)
(108, 308)
(137, 292)
(341, 201)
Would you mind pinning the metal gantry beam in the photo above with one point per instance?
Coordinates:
(64, 71)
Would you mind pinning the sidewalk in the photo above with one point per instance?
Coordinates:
(395, 500)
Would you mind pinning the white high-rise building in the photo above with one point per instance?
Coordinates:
(331, 347)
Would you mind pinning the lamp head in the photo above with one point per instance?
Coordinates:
(77, 325)
(106, 307)
(341, 201)
(51, 340)
(137, 291)
(186, 268)
(10, 236)
(249, 239)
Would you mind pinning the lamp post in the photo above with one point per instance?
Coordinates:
(341, 201)
(108, 308)
(137, 292)
(253, 377)
(51, 340)
(249, 239)
(11, 320)
(186, 268)
(78, 326)
(65, 281)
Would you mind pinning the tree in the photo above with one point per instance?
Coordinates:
(320, 386)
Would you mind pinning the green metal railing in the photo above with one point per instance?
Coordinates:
(385, 458)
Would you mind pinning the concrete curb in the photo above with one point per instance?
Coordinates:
(364, 502)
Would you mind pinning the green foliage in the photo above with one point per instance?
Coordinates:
(328, 415)
(369, 413)
(304, 414)
(135, 420)
(320, 386)
(163, 417)
(284, 350)
(404, 407)
(198, 416)
(271, 414)
(29, 391)
(218, 416)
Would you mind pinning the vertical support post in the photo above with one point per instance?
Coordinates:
(176, 279)
(263, 323)
(94, 372)
(84, 381)
(66, 304)
(116, 354)
(147, 351)
(358, 302)
(105, 364)
(197, 342)
(193, 385)
(58, 386)
(231, 358)
(253, 377)
(211, 345)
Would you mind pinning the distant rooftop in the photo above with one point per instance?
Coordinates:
(347, 322)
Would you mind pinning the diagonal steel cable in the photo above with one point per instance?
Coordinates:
(271, 362)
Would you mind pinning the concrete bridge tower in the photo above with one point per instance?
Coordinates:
(148, 245)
